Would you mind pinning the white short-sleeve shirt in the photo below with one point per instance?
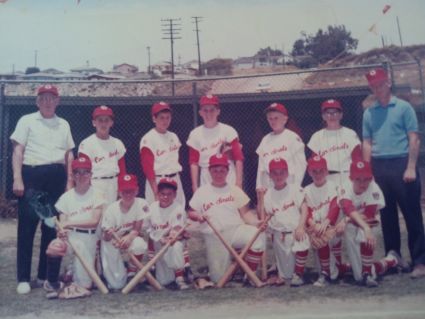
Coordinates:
(318, 199)
(46, 140)
(162, 220)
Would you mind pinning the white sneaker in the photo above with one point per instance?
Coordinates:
(23, 288)
(322, 281)
(297, 281)
(181, 283)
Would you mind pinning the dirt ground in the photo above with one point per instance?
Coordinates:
(397, 297)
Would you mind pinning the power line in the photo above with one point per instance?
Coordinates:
(170, 30)
(196, 20)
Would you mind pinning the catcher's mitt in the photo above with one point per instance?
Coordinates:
(203, 283)
(74, 291)
(57, 247)
(40, 204)
(317, 241)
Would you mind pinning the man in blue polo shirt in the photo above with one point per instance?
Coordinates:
(391, 142)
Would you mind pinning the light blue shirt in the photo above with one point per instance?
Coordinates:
(388, 127)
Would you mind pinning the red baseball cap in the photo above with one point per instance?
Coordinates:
(376, 76)
(331, 104)
(218, 160)
(276, 107)
(47, 88)
(127, 182)
(169, 182)
(278, 163)
(159, 107)
(316, 162)
(360, 169)
(209, 100)
(102, 110)
(82, 162)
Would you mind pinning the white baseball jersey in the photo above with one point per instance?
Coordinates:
(207, 141)
(372, 196)
(123, 222)
(162, 220)
(287, 145)
(318, 199)
(77, 207)
(104, 154)
(286, 206)
(165, 148)
(335, 146)
(220, 204)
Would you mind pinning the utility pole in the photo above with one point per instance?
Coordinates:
(196, 20)
(149, 59)
(171, 32)
(399, 32)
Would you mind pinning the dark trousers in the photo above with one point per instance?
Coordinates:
(388, 175)
(48, 178)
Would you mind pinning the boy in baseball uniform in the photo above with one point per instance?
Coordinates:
(80, 210)
(226, 206)
(125, 219)
(290, 241)
(213, 137)
(360, 199)
(167, 217)
(105, 152)
(159, 154)
(280, 143)
(321, 198)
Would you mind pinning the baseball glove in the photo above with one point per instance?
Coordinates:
(74, 291)
(57, 247)
(203, 283)
(39, 203)
(317, 241)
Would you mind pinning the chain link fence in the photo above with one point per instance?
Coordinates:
(243, 100)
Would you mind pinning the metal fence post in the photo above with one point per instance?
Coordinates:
(194, 104)
(421, 80)
(3, 151)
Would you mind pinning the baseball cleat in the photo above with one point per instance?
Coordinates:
(181, 284)
(418, 271)
(188, 275)
(322, 281)
(369, 281)
(297, 281)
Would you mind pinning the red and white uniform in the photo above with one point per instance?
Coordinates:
(112, 261)
(354, 235)
(221, 205)
(161, 221)
(105, 156)
(322, 203)
(79, 208)
(205, 142)
(160, 158)
(287, 145)
(336, 146)
(285, 204)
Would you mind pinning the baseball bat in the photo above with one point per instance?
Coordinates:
(261, 215)
(142, 272)
(154, 283)
(258, 283)
(90, 269)
(232, 268)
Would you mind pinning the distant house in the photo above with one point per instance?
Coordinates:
(52, 71)
(244, 63)
(125, 68)
(87, 70)
(8, 76)
(162, 68)
(190, 68)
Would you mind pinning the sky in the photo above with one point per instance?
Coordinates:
(67, 33)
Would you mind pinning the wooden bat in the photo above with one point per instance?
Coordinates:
(261, 214)
(258, 283)
(89, 268)
(232, 268)
(142, 272)
(154, 283)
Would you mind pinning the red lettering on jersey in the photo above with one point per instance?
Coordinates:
(173, 148)
(160, 152)
(81, 210)
(222, 200)
(113, 154)
(286, 206)
(334, 148)
(207, 206)
(321, 205)
(218, 143)
(98, 159)
(160, 226)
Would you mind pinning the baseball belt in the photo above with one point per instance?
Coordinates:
(84, 231)
(167, 175)
(106, 177)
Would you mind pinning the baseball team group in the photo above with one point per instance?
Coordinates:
(357, 189)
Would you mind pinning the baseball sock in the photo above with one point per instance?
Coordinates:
(324, 259)
(300, 261)
(337, 252)
(367, 258)
(151, 249)
(381, 266)
(178, 273)
(253, 259)
(53, 268)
